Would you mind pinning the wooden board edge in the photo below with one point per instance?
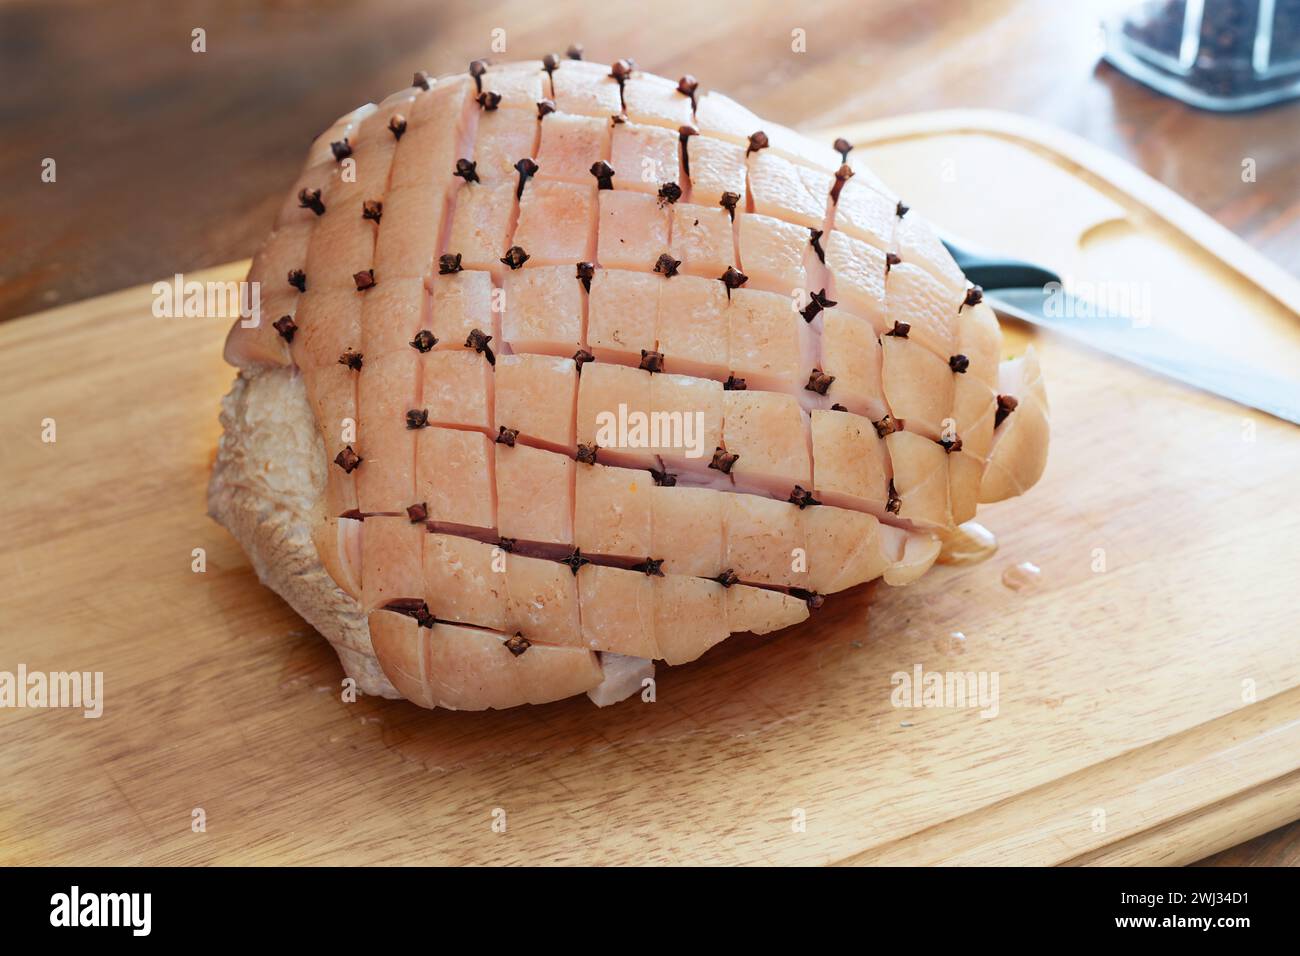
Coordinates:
(1202, 833)
(1155, 196)
(124, 299)
(1244, 755)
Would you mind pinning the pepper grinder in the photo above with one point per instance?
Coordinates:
(1224, 55)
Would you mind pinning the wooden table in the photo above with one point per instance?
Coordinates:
(169, 160)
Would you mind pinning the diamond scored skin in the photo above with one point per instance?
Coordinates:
(588, 353)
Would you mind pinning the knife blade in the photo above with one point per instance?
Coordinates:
(1034, 294)
(1152, 348)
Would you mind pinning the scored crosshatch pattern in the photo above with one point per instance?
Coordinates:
(524, 247)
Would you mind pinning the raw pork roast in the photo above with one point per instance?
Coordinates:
(565, 368)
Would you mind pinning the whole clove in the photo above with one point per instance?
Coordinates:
(515, 257)
(950, 445)
(802, 497)
(974, 296)
(397, 125)
(887, 426)
(424, 341)
(664, 479)
(550, 62)
(449, 263)
(901, 209)
(518, 644)
(823, 300)
(728, 202)
(587, 453)
(837, 407)
(476, 69)
(819, 381)
(418, 512)
(817, 302)
(604, 174)
(687, 86)
(545, 108)
(574, 52)
(618, 119)
(507, 436)
(815, 240)
(895, 503)
(586, 272)
(727, 578)
(652, 361)
(959, 363)
(478, 341)
(811, 598)
(412, 607)
(733, 278)
(575, 561)
(1006, 405)
(621, 70)
(310, 199)
(351, 358)
(651, 567)
(526, 168)
(669, 193)
(341, 149)
(489, 101)
(842, 176)
(506, 544)
(891, 259)
(733, 384)
(348, 460)
(843, 147)
(900, 329)
(417, 418)
(467, 170)
(421, 79)
(667, 266)
(723, 460)
(683, 134)
(365, 279)
(372, 209)
(757, 141)
(298, 279)
(581, 358)
(285, 326)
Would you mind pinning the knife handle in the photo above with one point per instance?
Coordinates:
(999, 273)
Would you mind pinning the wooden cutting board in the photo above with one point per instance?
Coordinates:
(1149, 687)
